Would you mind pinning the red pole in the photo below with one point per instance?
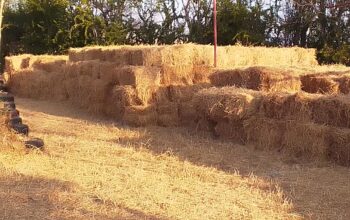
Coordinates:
(215, 34)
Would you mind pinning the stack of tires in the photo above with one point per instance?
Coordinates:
(12, 118)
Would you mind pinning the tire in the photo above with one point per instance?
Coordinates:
(20, 129)
(34, 143)
(9, 105)
(6, 97)
(14, 121)
(3, 88)
(9, 112)
(12, 113)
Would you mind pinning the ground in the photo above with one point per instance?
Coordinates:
(92, 168)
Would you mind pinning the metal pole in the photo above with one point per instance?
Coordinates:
(215, 35)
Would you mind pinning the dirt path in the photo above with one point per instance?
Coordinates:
(92, 168)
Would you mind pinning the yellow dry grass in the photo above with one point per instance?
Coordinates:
(92, 169)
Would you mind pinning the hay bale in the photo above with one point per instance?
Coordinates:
(118, 98)
(344, 83)
(54, 66)
(291, 137)
(286, 106)
(339, 146)
(232, 130)
(187, 113)
(258, 78)
(168, 114)
(330, 110)
(145, 80)
(16, 63)
(227, 103)
(196, 55)
(140, 115)
(316, 83)
(182, 93)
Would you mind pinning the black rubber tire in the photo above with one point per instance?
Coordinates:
(34, 143)
(9, 105)
(6, 97)
(12, 113)
(20, 129)
(3, 88)
(9, 112)
(14, 121)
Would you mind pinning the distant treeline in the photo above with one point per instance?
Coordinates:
(52, 26)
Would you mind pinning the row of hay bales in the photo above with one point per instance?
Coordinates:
(171, 85)
(312, 125)
(136, 80)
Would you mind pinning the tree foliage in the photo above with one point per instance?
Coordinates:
(52, 26)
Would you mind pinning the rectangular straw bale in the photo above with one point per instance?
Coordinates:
(187, 113)
(144, 79)
(227, 103)
(57, 65)
(306, 140)
(89, 68)
(146, 56)
(321, 109)
(108, 72)
(118, 98)
(184, 93)
(344, 83)
(258, 78)
(264, 133)
(168, 114)
(177, 74)
(330, 110)
(319, 83)
(339, 146)
(93, 53)
(286, 106)
(232, 130)
(140, 115)
(161, 95)
(75, 54)
(16, 63)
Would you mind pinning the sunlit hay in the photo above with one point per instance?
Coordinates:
(16, 63)
(190, 63)
(286, 106)
(258, 78)
(140, 115)
(319, 83)
(227, 103)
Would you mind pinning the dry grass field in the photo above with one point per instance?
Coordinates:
(94, 169)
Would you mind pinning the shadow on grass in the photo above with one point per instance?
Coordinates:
(25, 197)
(317, 190)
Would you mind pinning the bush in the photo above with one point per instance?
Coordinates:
(329, 55)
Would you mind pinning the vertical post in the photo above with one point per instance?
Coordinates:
(215, 35)
(2, 3)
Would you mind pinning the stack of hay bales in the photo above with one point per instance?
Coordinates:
(170, 86)
(138, 84)
(327, 83)
(258, 78)
(311, 125)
